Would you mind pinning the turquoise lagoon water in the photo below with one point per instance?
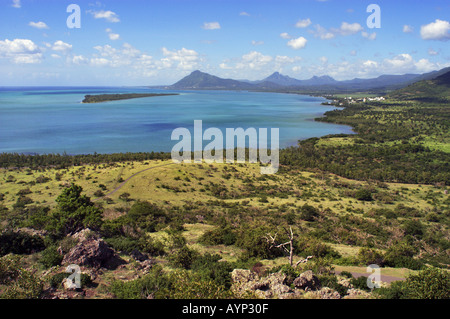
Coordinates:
(53, 120)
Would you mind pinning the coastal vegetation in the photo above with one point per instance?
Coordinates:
(116, 97)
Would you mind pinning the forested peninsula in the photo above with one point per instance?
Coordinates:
(115, 97)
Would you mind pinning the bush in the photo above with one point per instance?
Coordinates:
(368, 256)
(360, 283)
(330, 281)
(19, 282)
(183, 257)
(209, 268)
(431, 283)
(309, 213)
(401, 255)
(254, 242)
(20, 243)
(147, 216)
(155, 284)
(50, 257)
(309, 246)
(363, 195)
(414, 228)
(74, 212)
(56, 280)
(218, 236)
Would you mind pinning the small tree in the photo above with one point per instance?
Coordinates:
(75, 212)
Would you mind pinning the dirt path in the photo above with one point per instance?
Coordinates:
(132, 176)
(383, 278)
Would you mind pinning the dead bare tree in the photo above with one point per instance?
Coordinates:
(290, 243)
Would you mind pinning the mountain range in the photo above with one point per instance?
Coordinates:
(198, 80)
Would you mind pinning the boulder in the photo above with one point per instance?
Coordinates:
(138, 256)
(354, 293)
(307, 281)
(327, 293)
(91, 251)
(246, 282)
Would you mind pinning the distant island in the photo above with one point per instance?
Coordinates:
(115, 97)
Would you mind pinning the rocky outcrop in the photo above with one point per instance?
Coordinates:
(247, 283)
(91, 251)
(326, 293)
(307, 281)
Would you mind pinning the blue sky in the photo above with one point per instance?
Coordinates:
(153, 42)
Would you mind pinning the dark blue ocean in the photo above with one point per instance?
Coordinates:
(53, 120)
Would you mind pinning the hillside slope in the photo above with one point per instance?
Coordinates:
(436, 90)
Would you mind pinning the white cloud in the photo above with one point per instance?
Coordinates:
(111, 35)
(243, 13)
(109, 16)
(323, 59)
(257, 42)
(298, 43)
(438, 30)
(61, 46)
(303, 23)
(20, 51)
(285, 35)
(408, 29)
(211, 25)
(55, 56)
(349, 28)
(79, 59)
(345, 29)
(183, 59)
(100, 62)
(432, 52)
(322, 33)
(282, 59)
(114, 36)
(370, 36)
(38, 25)
(251, 61)
(16, 4)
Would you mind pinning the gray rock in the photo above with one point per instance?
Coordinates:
(307, 281)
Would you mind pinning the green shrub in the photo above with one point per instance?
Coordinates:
(309, 246)
(123, 244)
(147, 216)
(309, 213)
(218, 236)
(50, 257)
(253, 240)
(183, 257)
(401, 255)
(19, 282)
(331, 281)
(209, 268)
(56, 280)
(368, 256)
(431, 283)
(74, 212)
(414, 228)
(360, 283)
(363, 195)
(155, 284)
(20, 243)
